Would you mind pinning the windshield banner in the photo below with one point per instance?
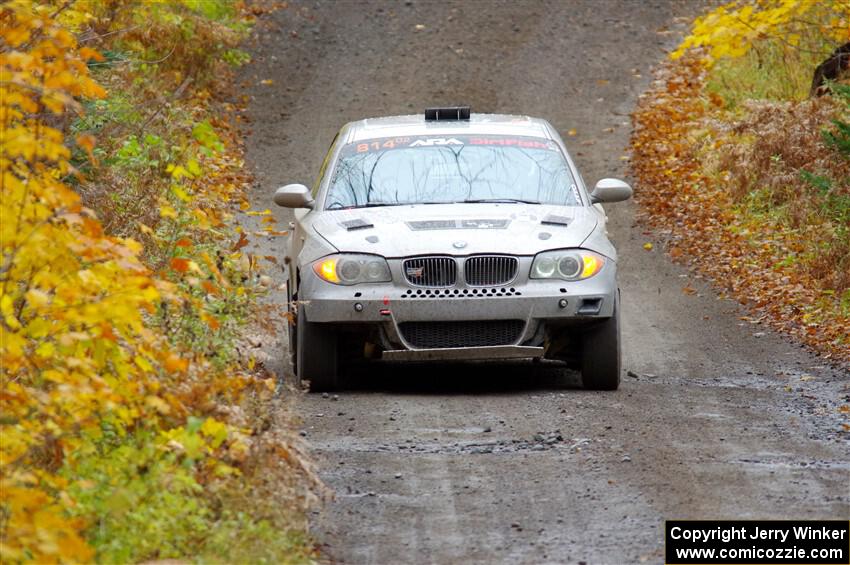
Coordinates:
(389, 143)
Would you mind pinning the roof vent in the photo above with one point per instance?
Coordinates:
(447, 114)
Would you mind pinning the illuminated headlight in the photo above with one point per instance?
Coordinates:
(353, 269)
(566, 264)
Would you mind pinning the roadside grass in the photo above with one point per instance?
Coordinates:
(751, 178)
(151, 431)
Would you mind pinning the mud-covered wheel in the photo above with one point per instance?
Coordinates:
(317, 357)
(601, 355)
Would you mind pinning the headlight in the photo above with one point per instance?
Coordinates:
(353, 269)
(566, 264)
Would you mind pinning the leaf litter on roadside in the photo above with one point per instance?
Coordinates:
(679, 135)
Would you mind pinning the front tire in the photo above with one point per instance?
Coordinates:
(317, 355)
(601, 357)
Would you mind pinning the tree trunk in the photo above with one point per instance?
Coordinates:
(830, 69)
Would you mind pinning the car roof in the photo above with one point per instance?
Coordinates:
(478, 124)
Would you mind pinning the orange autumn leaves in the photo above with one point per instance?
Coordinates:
(179, 264)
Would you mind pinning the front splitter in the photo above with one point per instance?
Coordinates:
(464, 353)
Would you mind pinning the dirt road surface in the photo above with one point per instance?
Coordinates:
(514, 462)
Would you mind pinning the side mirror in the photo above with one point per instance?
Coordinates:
(294, 196)
(610, 190)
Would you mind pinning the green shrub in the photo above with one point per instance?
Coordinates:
(147, 500)
(839, 138)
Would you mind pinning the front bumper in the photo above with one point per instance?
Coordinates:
(538, 303)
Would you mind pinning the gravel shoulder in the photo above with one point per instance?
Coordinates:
(514, 462)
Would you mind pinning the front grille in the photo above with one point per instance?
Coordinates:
(431, 271)
(439, 335)
(490, 270)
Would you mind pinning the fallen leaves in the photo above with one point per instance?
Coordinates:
(175, 364)
(87, 142)
(179, 264)
(674, 141)
(240, 243)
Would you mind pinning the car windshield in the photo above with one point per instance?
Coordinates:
(437, 170)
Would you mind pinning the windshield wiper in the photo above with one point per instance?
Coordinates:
(498, 201)
(377, 204)
(373, 205)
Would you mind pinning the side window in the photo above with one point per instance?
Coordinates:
(323, 168)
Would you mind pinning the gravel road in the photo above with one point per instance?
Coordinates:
(718, 418)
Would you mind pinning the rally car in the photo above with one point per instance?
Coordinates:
(451, 236)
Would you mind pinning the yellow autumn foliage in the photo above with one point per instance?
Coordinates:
(77, 348)
(732, 29)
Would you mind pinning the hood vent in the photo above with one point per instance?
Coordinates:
(358, 224)
(421, 225)
(553, 220)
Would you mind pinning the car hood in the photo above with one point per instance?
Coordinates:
(456, 229)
